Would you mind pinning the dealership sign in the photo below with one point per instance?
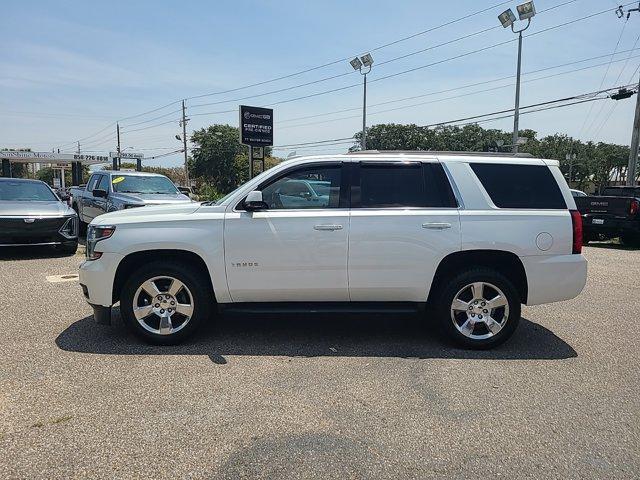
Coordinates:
(127, 155)
(50, 157)
(256, 126)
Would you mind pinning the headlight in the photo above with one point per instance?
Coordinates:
(95, 233)
(70, 228)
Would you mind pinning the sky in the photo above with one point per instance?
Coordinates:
(69, 70)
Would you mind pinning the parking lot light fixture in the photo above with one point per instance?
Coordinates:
(526, 11)
(356, 63)
(365, 61)
(507, 18)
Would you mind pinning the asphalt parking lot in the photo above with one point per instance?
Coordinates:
(320, 397)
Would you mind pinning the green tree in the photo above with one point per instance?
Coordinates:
(219, 160)
(594, 164)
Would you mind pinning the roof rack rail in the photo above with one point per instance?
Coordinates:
(434, 152)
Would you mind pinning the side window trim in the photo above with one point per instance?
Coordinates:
(342, 195)
(92, 182)
(99, 182)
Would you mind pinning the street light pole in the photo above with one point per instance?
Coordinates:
(364, 113)
(366, 61)
(526, 11)
(516, 111)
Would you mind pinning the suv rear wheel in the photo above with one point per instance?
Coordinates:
(478, 308)
(165, 302)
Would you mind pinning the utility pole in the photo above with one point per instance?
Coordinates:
(116, 161)
(635, 133)
(635, 138)
(184, 144)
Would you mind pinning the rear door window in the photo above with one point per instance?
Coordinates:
(403, 184)
(520, 186)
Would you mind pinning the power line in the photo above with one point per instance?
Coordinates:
(283, 77)
(476, 92)
(175, 120)
(614, 106)
(333, 77)
(581, 98)
(403, 72)
(475, 84)
(548, 102)
(343, 59)
(604, 77)
(378, 79)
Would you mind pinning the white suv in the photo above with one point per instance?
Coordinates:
(473, 235)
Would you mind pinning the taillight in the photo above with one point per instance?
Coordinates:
(635, 206)
(576, 221)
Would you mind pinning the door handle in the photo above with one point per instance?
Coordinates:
(327, 227)
(436, 226)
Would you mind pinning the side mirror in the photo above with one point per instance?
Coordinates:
(100, 193)
(254, 202)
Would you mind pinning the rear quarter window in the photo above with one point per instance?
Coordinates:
(520, 186)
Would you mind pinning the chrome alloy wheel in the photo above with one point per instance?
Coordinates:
(479, 310)
(163, 305)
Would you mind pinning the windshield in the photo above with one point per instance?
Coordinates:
(140, 184)
(26, 192)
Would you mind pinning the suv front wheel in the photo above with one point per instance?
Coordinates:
(478, 308)
(165, 302)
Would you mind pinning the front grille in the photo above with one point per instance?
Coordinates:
(41, 230)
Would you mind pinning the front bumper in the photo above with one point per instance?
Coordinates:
(554, 278)
(97, 278)
(35, 231)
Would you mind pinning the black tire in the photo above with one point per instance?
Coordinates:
(68, 248)
(197, 285)
(631, 240)
(454, 285)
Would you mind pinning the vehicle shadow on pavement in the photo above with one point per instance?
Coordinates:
(611, 246)
(315, 335)
(30, 253)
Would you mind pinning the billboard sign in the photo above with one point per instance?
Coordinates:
(256, 126)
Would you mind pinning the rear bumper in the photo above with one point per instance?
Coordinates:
(611, 226)
(554, 278)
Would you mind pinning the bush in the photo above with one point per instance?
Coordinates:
(208, 193)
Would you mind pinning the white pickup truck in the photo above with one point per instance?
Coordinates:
(473, 235)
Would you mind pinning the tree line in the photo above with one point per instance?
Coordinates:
(219, 163)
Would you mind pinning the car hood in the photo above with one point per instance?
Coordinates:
(53, 208)
(152, 198)
(148, 213)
